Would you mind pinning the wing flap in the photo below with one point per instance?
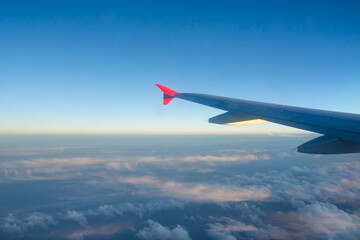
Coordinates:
(230, 118)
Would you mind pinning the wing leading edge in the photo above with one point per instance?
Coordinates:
(341, 131)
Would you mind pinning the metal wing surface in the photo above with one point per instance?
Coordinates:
(340, 131)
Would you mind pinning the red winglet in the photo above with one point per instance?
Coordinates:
(168, 93)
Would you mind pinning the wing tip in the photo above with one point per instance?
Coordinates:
(166, 90)
(168, 93)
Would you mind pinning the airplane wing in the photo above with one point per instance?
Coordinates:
(340, 131)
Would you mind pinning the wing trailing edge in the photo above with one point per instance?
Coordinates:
(231, 118)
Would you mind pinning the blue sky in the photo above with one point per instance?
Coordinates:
(91, 66)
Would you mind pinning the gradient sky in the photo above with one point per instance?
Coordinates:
(91, 66)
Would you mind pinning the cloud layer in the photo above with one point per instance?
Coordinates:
(125, 191)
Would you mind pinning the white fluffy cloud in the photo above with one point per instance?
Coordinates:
(76, 216)
(155, 231)
(15, 224)
(326, 219)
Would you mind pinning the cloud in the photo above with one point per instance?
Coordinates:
(163, 205)
(227, 158)
(155, 231)
(101, 230)
(13, 224)
(225, 231)
(219, 235)
(334, 183)
(46, 168)
(229, 229)
(238, 227)
(200, 192)
(60, 162)
(214, 193)
(19, 224)
(76, 216)
(41, 167)
(149, 180)
(109, 211)
(327, 219)
(235, 157)
(308, 203)
(318, 221)
(120, 165)
(76, 236)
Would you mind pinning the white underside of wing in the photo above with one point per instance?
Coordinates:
(248, 122)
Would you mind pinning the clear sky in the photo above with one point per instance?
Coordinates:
(91, 66)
